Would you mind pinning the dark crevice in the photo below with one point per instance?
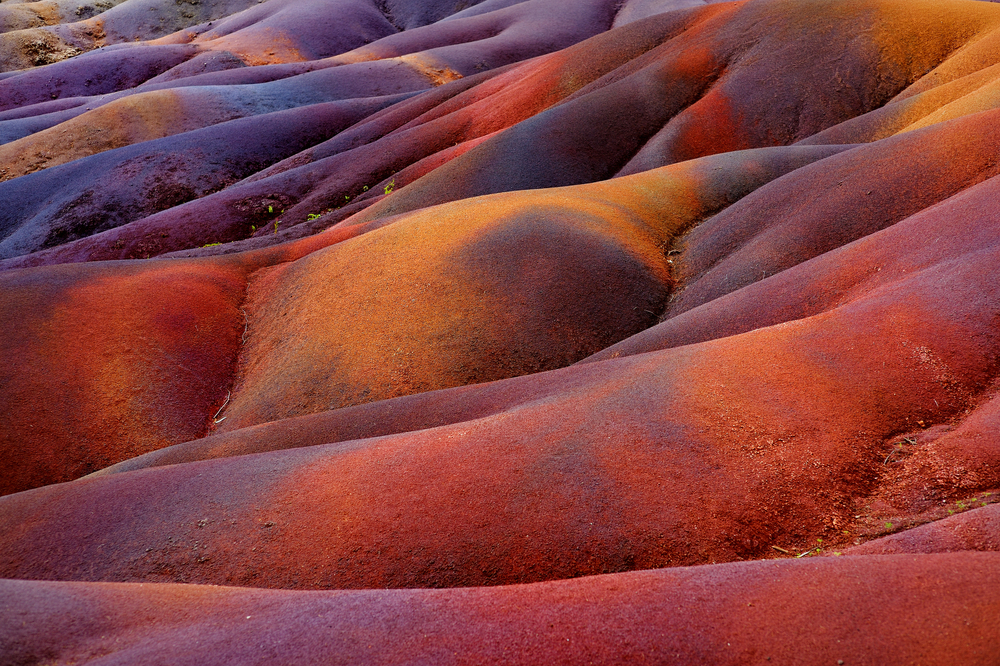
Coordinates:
(218, 410)
(383, 7)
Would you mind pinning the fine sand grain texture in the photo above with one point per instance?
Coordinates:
(531, 332)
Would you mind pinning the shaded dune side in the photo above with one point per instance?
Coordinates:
(65, 202)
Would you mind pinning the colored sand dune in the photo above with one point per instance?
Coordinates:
(553, 331)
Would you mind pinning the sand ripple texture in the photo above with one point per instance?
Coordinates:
(530, 332)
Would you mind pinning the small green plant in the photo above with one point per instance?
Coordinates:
(276, 226)
(390, 186)
(270, 209)
(211, 244)
(312, 216)
(888, 526)
(364, 189)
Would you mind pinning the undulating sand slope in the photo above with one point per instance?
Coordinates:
(588, 311)
(932, 609)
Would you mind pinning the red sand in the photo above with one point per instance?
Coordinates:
(310, 306)
(933, 609)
